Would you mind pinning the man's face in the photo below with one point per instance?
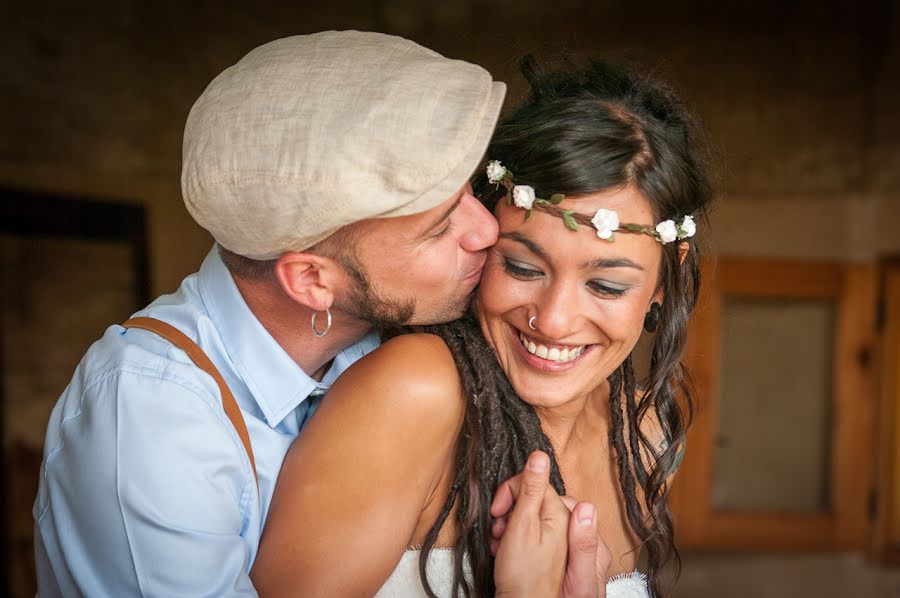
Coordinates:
(419, 269)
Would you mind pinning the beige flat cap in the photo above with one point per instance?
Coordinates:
(310, 133)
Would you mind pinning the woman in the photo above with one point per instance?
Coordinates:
(402, 459)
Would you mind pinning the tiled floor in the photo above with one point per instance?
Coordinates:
(708, 575)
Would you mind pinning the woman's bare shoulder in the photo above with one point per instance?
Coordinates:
(365, 467)
(413, 374)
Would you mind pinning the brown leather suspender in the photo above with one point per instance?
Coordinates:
(181, 340)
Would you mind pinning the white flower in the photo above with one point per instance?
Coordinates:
(687, 228)
(606, 222)
(495, 171)
(523, 196)
(666, 231)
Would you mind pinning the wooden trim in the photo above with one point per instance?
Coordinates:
(885, 537)
(777, 278)
(853, 448)
(692, 486)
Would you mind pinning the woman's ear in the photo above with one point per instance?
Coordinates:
(308, 279)
(683, 249)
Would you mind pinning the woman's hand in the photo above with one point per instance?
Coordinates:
(534, 540)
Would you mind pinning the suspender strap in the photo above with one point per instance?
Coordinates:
(181, 340)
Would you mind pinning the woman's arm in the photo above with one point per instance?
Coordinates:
(354, 485)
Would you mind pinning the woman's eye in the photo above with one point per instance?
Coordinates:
(519, 269)
(607, 289)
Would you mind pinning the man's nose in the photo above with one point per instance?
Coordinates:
(479, 228)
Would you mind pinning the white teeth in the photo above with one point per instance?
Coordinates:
(554, 354)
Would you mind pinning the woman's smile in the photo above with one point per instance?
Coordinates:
(547, 356)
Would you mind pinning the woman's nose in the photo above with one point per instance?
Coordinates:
(557, 311)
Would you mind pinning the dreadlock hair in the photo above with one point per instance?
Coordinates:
(581, 131)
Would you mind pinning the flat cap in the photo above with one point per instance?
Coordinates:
(310, 133)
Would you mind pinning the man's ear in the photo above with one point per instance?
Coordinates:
(308, 279)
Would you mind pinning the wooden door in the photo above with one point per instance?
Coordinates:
(780, 455)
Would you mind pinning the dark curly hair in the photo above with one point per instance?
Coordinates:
(583, 130)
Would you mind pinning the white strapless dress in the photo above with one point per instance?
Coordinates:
(405, 582)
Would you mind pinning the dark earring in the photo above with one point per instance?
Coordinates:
(651, 319)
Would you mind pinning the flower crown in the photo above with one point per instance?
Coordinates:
(605, 221)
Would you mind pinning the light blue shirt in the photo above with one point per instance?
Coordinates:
(145, 487)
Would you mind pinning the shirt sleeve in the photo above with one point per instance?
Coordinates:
(147, 493)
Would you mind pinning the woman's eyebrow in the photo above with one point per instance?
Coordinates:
(618, 262)
(531, 245)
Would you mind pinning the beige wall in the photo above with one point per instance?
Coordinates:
(855, 227)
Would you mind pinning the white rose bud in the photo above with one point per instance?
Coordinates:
(495, 171)
(666, 231)
(523, 196)
(688, 228)
(606, 222)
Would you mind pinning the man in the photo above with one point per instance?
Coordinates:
(332, 170)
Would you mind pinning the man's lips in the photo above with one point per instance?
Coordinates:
(475, 274)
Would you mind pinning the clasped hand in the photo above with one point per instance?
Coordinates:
(546, 545)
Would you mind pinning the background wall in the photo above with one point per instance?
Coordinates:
(800, 100)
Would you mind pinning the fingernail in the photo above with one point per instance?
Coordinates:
(538, 463)
(586, 516)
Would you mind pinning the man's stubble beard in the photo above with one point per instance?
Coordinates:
(366, 303)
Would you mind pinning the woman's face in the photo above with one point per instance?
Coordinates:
(589, 296)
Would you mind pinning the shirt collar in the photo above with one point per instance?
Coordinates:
(275, 380)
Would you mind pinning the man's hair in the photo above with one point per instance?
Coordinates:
(246, 267)
(340, 246)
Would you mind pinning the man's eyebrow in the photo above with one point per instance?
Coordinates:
(617, 262)
(443, 217)
(531, 245)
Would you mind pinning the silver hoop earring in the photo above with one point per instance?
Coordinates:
(327, 323)
(531, 322)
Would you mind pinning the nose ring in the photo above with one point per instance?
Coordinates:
(531, 322)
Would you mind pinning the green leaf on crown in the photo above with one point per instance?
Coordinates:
(569, 220)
